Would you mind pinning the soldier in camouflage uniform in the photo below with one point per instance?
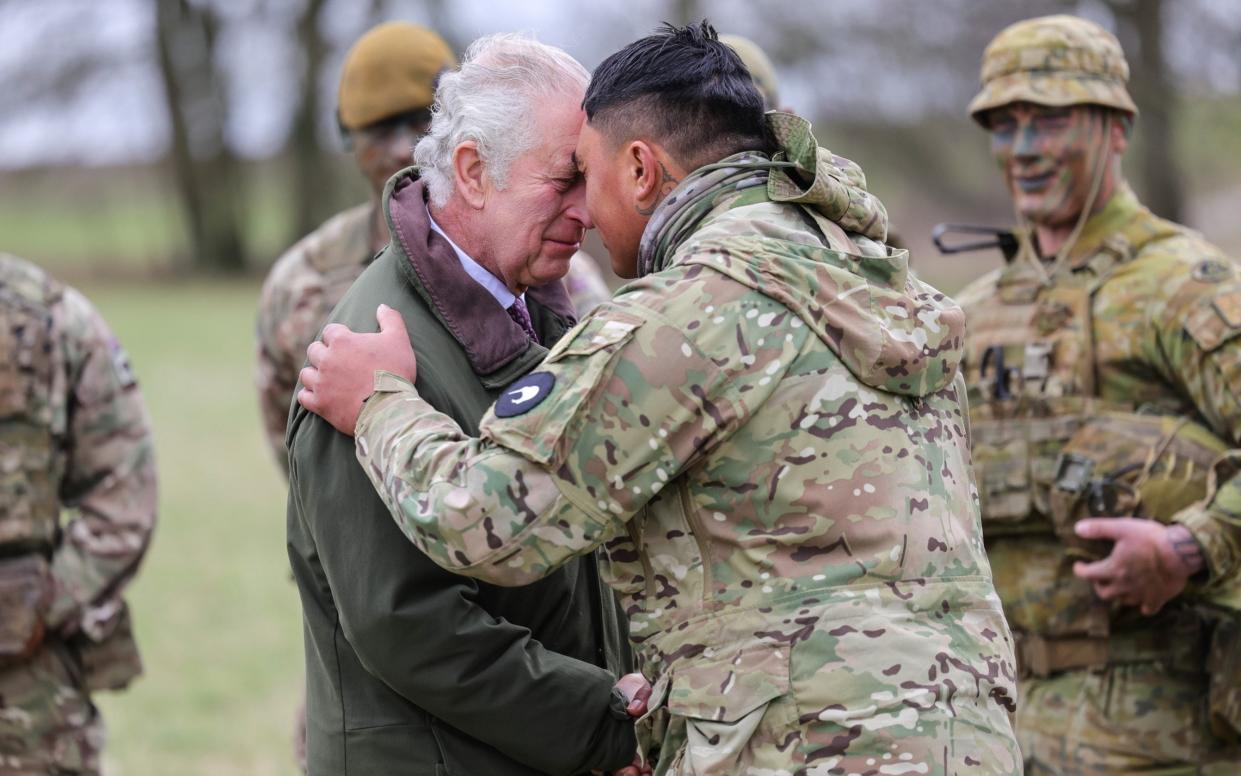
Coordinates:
(77, 507)
(386, 90)
(765, 432)
(1104, 373)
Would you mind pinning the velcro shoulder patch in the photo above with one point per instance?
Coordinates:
(1214, 324)
(525, 394)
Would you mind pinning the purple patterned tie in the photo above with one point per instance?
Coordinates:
(518, 312)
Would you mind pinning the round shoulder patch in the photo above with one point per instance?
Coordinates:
(525, 394)
(1212, 271)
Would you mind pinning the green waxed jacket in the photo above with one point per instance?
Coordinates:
(411, 669)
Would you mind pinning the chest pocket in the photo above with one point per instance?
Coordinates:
(579, 364)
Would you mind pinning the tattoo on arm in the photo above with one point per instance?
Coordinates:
(667, 182)
(1187, 548)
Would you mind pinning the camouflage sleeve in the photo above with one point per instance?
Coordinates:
(1201, 345)
(288, 320)
(620, 407)
(109, 481)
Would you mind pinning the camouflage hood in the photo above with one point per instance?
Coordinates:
(891, 330)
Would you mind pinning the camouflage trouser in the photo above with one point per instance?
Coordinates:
(1135, 718)
(47, 722)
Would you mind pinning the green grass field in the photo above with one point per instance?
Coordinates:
(216, 613)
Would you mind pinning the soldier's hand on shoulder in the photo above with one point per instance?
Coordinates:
(341, 374)
(1149, 565)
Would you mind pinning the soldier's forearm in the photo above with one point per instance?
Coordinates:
(473, 507)
(1218, 537)
(104, 544)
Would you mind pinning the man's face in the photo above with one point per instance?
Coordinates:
(609, 198)
(385, 149)
(534, 225)
(1048, 157)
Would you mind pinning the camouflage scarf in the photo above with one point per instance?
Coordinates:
(799, 172)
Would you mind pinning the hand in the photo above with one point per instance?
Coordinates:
(1149, 565)
(636, 691)
(341, 375)
(634, 769)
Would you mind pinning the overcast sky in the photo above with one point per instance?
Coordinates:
(113, 110)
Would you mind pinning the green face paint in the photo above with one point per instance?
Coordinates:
(1048, 157)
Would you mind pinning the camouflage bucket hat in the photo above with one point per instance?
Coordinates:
(1056, 61)
(392, 69)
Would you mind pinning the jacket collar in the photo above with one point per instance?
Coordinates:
(496, 347)
(1121, 210)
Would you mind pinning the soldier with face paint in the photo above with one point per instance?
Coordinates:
(1104, 373)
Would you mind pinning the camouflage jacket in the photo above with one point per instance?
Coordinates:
(1165, 312)
(77, 478)
(767, 436)
(306, 283)
(302, 288)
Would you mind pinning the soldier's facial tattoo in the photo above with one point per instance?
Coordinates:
(667, 182)
(1048, 157)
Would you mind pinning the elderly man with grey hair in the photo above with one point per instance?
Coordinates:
(410, 669)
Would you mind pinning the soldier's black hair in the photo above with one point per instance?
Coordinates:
(682, 88)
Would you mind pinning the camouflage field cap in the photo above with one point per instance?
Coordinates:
(760, 67)
(1053, 60)
(391, 70)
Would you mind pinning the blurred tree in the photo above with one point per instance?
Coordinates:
(312, 175)
(204, 168)
(1141, 30)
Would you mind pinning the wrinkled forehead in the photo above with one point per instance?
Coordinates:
(557, 125)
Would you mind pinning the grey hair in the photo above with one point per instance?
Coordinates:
(492, 100)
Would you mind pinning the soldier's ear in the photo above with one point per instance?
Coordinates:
(1122, 130)
(643, 171)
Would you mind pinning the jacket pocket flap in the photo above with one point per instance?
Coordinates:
(594, 334)
(728, 687)
(1214, 324)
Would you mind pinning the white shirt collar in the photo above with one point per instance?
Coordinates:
(478, 272)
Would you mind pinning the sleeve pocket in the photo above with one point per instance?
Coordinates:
(1213, 324)
(580, 363)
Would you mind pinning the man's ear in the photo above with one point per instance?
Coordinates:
(469, 174)
(1122, 130)
(645, 174)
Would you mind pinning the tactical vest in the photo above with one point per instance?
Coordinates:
(1049, 451)
(29, 468)
(30, 416)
